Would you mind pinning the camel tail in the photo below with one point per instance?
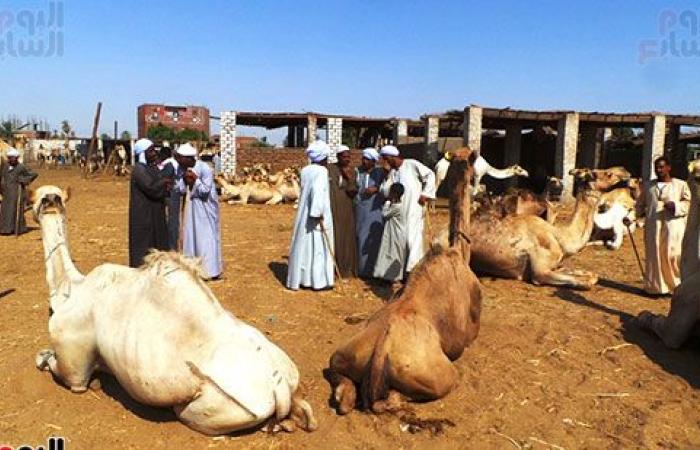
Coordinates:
(374, 384)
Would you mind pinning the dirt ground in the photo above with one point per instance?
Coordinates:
(551, 368)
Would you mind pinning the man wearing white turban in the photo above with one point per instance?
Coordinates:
(310, 258)
(368, 212)
(201, 230)
(343, 188)
(14, 177)
(419, 184)
(148, 192)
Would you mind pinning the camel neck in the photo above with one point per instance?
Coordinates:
(576, 233)
(59, 265)
(460, 211)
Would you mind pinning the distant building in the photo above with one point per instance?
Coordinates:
(176, 117)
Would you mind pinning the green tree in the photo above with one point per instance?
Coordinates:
(262, 142)
(6, 130)
(105, 137)
(126, 135)
(189, 135)
(65, 128)
(160, 133)
(622, 134)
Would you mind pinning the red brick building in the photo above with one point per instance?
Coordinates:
(176, 117)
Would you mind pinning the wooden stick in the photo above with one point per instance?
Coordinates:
(636, 253)
(20, 210)
(93, 141)
(330, 250)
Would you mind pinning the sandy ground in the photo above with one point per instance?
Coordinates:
(551, 368)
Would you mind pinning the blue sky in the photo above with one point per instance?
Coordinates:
(379, 58)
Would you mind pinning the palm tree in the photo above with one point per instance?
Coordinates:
(65, 128)
(6, 130)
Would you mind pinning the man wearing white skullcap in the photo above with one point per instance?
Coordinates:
(389, 150)
(318, 152)
(14, 177)
(140, 148)
(148, 191)
(419, 184)
(368, 212)
(310, 260)
(201, 230)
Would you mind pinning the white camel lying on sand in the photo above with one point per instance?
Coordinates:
(164, 336)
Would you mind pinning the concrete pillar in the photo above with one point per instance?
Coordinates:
(605, 137)
(654, 138)
(299, 138)
(512, 149)
(334, 136)
(565, 155)
(432, 135)
(472, 128)
(513, 144)
(310, 129)
(228, 143)
(295, 136)
(589, 155)
(675, 151)
(400, 132)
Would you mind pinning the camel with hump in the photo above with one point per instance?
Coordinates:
(406, 349)
(528, 247)
(480, 168)
(619, 192)
(682, 320)
(163, 335)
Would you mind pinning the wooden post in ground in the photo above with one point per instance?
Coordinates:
(93, 140)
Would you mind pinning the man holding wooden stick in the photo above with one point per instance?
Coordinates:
(13, 180)
(311, 260)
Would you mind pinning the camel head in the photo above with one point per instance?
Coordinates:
(694, 178)
(48, 200)
(583, 175)
(694, 170)
(519, 171)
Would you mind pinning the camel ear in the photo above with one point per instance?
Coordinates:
(66, 194)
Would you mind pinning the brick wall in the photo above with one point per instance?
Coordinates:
(280, 158)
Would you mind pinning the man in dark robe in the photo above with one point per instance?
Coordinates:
(343, 187)
(149, 191)
(14, 178)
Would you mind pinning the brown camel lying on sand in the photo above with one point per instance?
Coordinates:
(529, 247)
(681, 322)
(407, 346)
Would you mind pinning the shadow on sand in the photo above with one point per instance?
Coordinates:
(7, 292)
(112, 388)
(682, 362)
(279, 270)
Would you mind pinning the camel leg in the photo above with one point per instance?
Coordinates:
(74, 369)
(418, 368)
(543, 273)
(302, 415)
(677, 327)
(348, 365)
(345, 394)
(275, 200)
